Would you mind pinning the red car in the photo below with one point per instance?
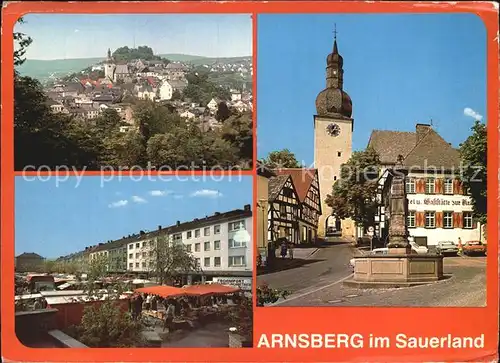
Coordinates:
(474, 248)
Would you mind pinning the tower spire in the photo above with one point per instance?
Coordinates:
(335, 48)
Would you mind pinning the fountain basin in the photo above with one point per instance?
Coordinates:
(396, 270)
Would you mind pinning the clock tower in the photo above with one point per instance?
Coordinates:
(333, 128)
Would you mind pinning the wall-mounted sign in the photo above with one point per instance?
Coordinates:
(440, 201)
(244, 283)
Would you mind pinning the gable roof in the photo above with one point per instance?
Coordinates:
(29, 255)
(423, 148)
(302, 179)
(390, 144)
(433, 151)
(121, 69)
(275, 185)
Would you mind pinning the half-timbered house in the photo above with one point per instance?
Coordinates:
(284, 209)
(306, 182)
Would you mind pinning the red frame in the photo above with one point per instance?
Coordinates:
(377, 321)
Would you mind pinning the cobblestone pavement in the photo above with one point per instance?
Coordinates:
(330, 263)
(465, 287)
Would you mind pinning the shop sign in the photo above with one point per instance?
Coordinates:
(440, 201)
(240, 282)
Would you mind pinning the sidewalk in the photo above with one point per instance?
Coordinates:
(300, 258)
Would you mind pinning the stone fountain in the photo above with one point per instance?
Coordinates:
(401, 266)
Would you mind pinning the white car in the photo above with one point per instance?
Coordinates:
(383, 251)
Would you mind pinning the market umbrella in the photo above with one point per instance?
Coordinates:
(209, 289)
(162, 290)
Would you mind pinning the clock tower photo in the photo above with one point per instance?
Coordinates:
(333, 128)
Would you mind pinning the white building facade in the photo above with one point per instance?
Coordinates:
(439, 209)
(221, 244)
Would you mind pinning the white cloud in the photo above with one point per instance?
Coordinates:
(471, 113)
(77, 30)
(120, 203)
(208, 193)
(137, 199)
(159, 193)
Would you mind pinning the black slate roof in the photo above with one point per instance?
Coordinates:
(275, 185)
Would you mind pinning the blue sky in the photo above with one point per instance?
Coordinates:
(66, 36)
(54, 219)
(398, 69)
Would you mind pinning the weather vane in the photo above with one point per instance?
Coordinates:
(335, 31)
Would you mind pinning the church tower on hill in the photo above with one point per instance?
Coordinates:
(109, 66)
(333, 128)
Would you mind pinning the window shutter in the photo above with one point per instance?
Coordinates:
(456, 186)
(455, 220)
(439, 219)
(474, 223)
(420, 185)
(460, 220)
(461, 188)
(420, 219)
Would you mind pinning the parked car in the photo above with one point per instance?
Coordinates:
(421, 250)
(375, 251)
(471, 248)
(447, 248)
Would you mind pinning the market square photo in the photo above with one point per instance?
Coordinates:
(374, 193)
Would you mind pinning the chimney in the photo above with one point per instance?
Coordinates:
(141, 233)
(159, 227)
(422, 130)
(178, 223)
(247, 208)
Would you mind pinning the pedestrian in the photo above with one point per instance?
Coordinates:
(37, 305)
(291, 251)
(460, 247)
(169, 317)
(283, 250)
(148, 302)
(154, 303)
(44, 303)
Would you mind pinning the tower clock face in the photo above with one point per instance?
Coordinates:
(333, 130)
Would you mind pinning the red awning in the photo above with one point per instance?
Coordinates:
(209, 289)
(163, 291)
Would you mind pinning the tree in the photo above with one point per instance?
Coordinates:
(41, 137)
(170, 259)
(223, 112)
(354, 193)
(105, 324)
(158, 117)
(176, 95)
(22, 42)
(126, 54)
(124, 149)
(238, 131)
(50, 266)
(108, 121)
(473, 152)
(281, 159)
